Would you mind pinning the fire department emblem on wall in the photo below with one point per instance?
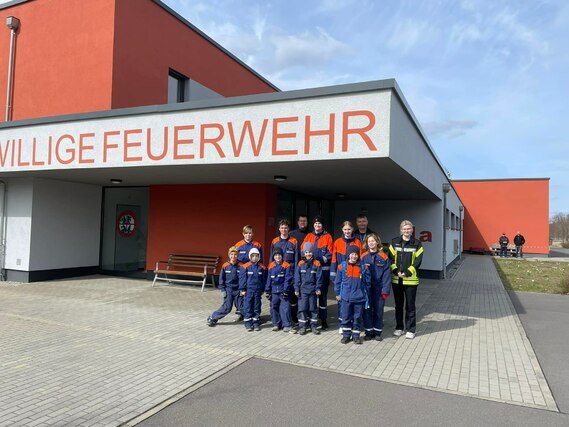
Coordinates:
(126, 223)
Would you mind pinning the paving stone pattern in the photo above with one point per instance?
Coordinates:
(101, 351)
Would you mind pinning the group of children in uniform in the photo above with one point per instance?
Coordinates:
(297, 278)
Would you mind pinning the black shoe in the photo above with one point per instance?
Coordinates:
(367, 337)
(211, 322)
(256, 328)
(358, 340)
(345, 340)
(378, 338)
(315, 331)
(302, 331)
(250, 329)
(324, 325)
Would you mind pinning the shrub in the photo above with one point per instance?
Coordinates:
(565, 245)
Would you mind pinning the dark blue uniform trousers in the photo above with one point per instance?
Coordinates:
(232, 297)
(280, 311)
(252, 308)
(373, 316)
(352, 318)
(307, 310)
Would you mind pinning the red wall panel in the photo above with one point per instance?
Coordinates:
(208, 219)
(63, 57)
(494, 207)
(149, 41)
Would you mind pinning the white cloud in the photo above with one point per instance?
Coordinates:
(308, 48)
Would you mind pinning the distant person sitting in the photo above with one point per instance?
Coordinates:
(503, 241)
(519, 241)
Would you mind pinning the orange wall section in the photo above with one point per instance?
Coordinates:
(63, 60)
(149, 41)
(492, 207)
(208, 219)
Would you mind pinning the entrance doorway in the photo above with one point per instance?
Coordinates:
(125, 226)
(291, 204)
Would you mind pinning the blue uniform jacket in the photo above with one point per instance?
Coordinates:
(229, 276)
(252, 277)
(308, 277)
(279, 278)
(289, 247)
(380, 268)
(352, 284)
(243, 247)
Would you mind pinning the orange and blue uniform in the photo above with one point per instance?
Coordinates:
(229, 287)
(280, 286)
(352, 285)
(290, 249)
(379, 266)
(252, 280)
(244, 247)
(339, 255)
(322, 251)
(307, 280)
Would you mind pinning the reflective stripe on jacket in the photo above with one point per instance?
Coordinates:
(406, 257)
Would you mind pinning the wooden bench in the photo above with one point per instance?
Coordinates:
(495, 249)
(186, 265)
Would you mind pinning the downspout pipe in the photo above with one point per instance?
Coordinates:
(461, 210)
(446, 189)
(3, 222)
(13, 24)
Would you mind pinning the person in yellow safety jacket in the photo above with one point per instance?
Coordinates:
(406, 254)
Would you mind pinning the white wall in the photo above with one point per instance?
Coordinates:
(66, 225)
(385, 216)
(18, 223)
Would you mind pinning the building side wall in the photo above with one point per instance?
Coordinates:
(149, 41)
(19, 201)
(494, 207)
(63, 57)
(66, 225)
(208, 219)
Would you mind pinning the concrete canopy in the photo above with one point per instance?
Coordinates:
(351, 139)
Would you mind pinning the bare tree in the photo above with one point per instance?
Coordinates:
(559, 227)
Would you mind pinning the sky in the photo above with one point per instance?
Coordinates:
(487, 80)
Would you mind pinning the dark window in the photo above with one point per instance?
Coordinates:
(178, 87)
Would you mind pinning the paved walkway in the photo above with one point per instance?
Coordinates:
(102, 351)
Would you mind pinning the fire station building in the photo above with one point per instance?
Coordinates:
(121, 110)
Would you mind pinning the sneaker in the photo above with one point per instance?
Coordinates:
(287, 329)
(239, 318)
(378, 338)
(324, 325)
(211, 322)
(275, 328)
(250, 329)
(358, 340)
(410, 335)
(302, 331)
(398, 332)
(367, 337)
(315, 331)
(256, 328)
(345, 340)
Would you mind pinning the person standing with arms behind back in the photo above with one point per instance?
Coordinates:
(406, 254)
(519, 241)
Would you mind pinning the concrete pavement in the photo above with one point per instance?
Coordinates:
(102, 351)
